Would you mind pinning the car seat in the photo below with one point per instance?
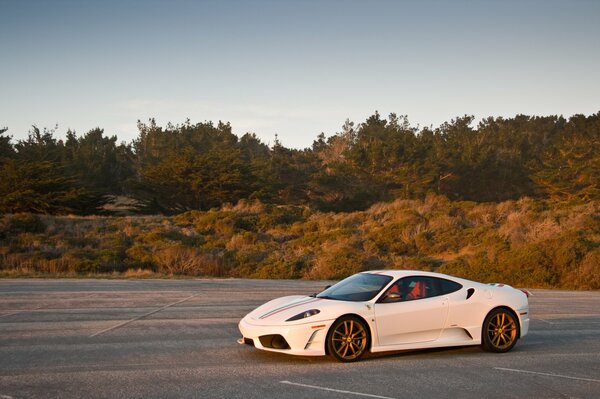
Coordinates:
(417, 291)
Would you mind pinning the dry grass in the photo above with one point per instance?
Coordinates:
(523, 242)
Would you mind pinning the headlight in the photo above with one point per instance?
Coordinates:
(304, 315)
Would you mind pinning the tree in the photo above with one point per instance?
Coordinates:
(571, 166)
(36, 179)
(6, 148)
(189, 167)
(100, 165)
(344, 179)
(41, 187)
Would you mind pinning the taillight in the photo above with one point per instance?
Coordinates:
(525, 292)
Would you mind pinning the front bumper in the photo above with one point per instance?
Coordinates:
(307, 339)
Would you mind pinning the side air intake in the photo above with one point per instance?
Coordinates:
(274, 341)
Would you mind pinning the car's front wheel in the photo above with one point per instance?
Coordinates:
(348, 339)
(500, 331)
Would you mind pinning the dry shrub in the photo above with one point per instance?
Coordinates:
(484, 214)
(541, 231)
(432, 203)
(527, 226)
(320, 221)
(525, 242)
(247, 207)
(503, 209)
(131, 230)
(16, 261)
(224, 227)
(393, 211)
(414, 263)
(581, 217)
(55, 266)
(28, 263)
(408, 233)
(464, 252)
(189, 232)
(345, 220)
(588, 273)
(189, 261)
(278, 265)
(514, 229)
(138, 273)
(445, 222)
(392, 238)
(240, 241)
(377, 211)
(340, 258)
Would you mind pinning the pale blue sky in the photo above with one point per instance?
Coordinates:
(295, 68)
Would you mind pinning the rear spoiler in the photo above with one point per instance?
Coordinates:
(526, 292)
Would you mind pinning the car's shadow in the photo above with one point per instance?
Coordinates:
(270, 357)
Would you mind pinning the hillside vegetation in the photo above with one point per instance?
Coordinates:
(513, 200)
(525, 242)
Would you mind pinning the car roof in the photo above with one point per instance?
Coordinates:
(405, 273)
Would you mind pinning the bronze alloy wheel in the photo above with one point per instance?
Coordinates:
(500, 331)
(348, 339)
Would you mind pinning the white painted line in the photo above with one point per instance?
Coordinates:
(141, 317)
(18, 312)
(548, 374)
(10, 314)
(563, 315)
(569, 322)
(335, 390)
(5, 397)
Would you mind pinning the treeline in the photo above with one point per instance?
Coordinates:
(200, 166)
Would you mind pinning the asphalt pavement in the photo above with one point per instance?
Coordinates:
(177, 339)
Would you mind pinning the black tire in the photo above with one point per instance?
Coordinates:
(348, 339)
(500, 331)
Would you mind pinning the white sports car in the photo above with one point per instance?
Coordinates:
(390, 310)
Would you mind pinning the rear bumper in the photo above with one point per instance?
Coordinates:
(524, 324)
(306, 339)
(524, 320)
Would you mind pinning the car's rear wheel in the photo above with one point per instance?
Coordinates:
(500, 331)
(348, 339)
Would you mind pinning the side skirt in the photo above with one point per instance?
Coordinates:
(450, 337)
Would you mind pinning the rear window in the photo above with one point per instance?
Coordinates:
(448, 287)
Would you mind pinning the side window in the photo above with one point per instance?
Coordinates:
(448, 287)
(412, 288)
(421, 287)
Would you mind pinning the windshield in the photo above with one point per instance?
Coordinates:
(357, 288)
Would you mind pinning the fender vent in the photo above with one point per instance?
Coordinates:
(470, 292)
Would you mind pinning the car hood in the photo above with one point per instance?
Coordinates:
(279, 310)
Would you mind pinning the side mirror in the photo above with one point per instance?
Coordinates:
(317, 293)
(392, 297)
